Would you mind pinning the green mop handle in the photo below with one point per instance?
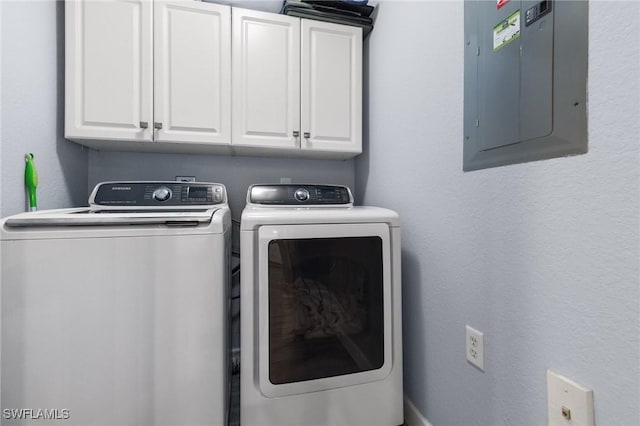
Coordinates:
(31, 181)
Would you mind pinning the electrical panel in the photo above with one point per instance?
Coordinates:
(525, 81)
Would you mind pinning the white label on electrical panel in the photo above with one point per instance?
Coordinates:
(506, 31)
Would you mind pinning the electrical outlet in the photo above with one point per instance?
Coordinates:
(475, 347)
(568, 402)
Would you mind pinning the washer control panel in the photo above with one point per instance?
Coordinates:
(297, 195)
(158, 194)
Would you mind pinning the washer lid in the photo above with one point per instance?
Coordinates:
(89, 217)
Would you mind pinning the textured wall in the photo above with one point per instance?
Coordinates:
(32, 108)
(542, 257)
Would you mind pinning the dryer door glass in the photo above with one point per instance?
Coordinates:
(326, 308)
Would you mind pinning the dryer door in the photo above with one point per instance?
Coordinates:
(324, 306)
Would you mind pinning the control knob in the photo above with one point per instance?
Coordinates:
(301, 195)
(162, 194)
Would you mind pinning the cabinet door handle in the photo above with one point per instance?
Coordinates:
(144, 124)
(307, 135)
(157, 126)
(296, 134)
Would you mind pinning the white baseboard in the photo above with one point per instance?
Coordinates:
(413, 417)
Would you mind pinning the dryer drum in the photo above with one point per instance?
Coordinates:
(325, 307)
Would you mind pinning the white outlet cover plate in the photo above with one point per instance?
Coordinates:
(562, 392)
(475, 347)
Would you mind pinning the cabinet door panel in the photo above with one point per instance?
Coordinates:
(266, 84)
(192, 72)
(331, 93)
(108, 79)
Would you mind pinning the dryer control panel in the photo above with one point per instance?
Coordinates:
(157, 194)
(296, 195)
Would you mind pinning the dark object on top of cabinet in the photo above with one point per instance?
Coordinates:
(338, 12)
(361, 8)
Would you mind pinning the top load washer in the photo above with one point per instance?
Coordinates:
(321, 332)
(116, 314)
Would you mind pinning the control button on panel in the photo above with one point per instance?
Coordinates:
(301, 195)
(162, 194)
(536, 12)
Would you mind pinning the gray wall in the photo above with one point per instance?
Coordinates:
(32, 109)
(542, 257)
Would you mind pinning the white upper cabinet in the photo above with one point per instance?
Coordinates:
(198, 77)
(266, 83)
(297, 85)
(192, 72)
(157, 71)
(109, 74)
(331, 94)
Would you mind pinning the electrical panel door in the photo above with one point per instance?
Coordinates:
(525, 81)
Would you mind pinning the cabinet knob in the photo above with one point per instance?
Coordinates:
(296, 134)
(307, 135)
(157, 126)
(144, 124)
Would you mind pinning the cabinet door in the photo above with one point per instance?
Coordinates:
(192, 72)
(266, 79)
(331, 91)
(108, 80)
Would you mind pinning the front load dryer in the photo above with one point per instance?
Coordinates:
(116, 314)
(321, 340)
